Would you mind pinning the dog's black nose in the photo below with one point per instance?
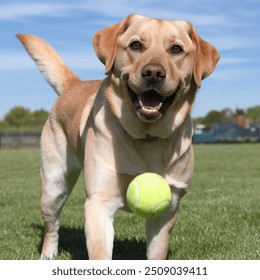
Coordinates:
(153, 73)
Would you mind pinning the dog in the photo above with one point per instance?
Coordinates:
(136, 120)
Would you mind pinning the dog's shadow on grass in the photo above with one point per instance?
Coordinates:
(72, 242)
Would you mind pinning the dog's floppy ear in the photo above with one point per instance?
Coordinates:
(206, 58)
(105, 42)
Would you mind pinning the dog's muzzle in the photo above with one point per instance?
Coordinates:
(151, 105)
(149, 100)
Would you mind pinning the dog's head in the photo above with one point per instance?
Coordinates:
(156, 67)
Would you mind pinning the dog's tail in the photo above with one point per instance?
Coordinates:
(53, 68)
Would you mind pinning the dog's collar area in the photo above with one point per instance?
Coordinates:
(151, 105)
(147, 137)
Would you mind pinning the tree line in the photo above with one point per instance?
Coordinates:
(20, 118)
(250, 115)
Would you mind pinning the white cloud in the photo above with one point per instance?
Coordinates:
(19, 61)
(12, 60)
(111, 9)
(226, 61)
(15, 11)
(208, 18)
(122, 8)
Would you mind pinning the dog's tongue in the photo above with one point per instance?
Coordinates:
(150, 99)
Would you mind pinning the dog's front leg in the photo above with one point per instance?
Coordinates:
(104, 199)
(99, 228)
(158, 231)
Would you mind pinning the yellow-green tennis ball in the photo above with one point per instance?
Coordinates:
(148, 195)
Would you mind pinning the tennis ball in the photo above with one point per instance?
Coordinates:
(148, 195)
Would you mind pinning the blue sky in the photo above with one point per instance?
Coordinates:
(232, 26)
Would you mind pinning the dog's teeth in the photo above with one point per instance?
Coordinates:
(159, 106)
(141, 103)
(150, 109)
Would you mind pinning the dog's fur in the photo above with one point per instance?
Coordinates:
(116, 129)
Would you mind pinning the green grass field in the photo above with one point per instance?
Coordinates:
(219, 217)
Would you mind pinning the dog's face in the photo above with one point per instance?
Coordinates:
(157, 65)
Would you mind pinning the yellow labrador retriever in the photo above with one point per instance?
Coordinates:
(136, 120)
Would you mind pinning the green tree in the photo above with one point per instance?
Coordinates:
(240, 112)
(18, 117)
(253, 114)
(39, 118)
(212, 117)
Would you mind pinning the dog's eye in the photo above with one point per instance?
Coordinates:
(176, 49)
(136, 46)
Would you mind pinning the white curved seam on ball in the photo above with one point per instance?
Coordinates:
(159, 205)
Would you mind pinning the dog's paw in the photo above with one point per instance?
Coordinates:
(48, 254)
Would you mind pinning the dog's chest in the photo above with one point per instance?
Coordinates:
(155, 154)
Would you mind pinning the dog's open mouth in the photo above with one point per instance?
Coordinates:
(150, 105)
